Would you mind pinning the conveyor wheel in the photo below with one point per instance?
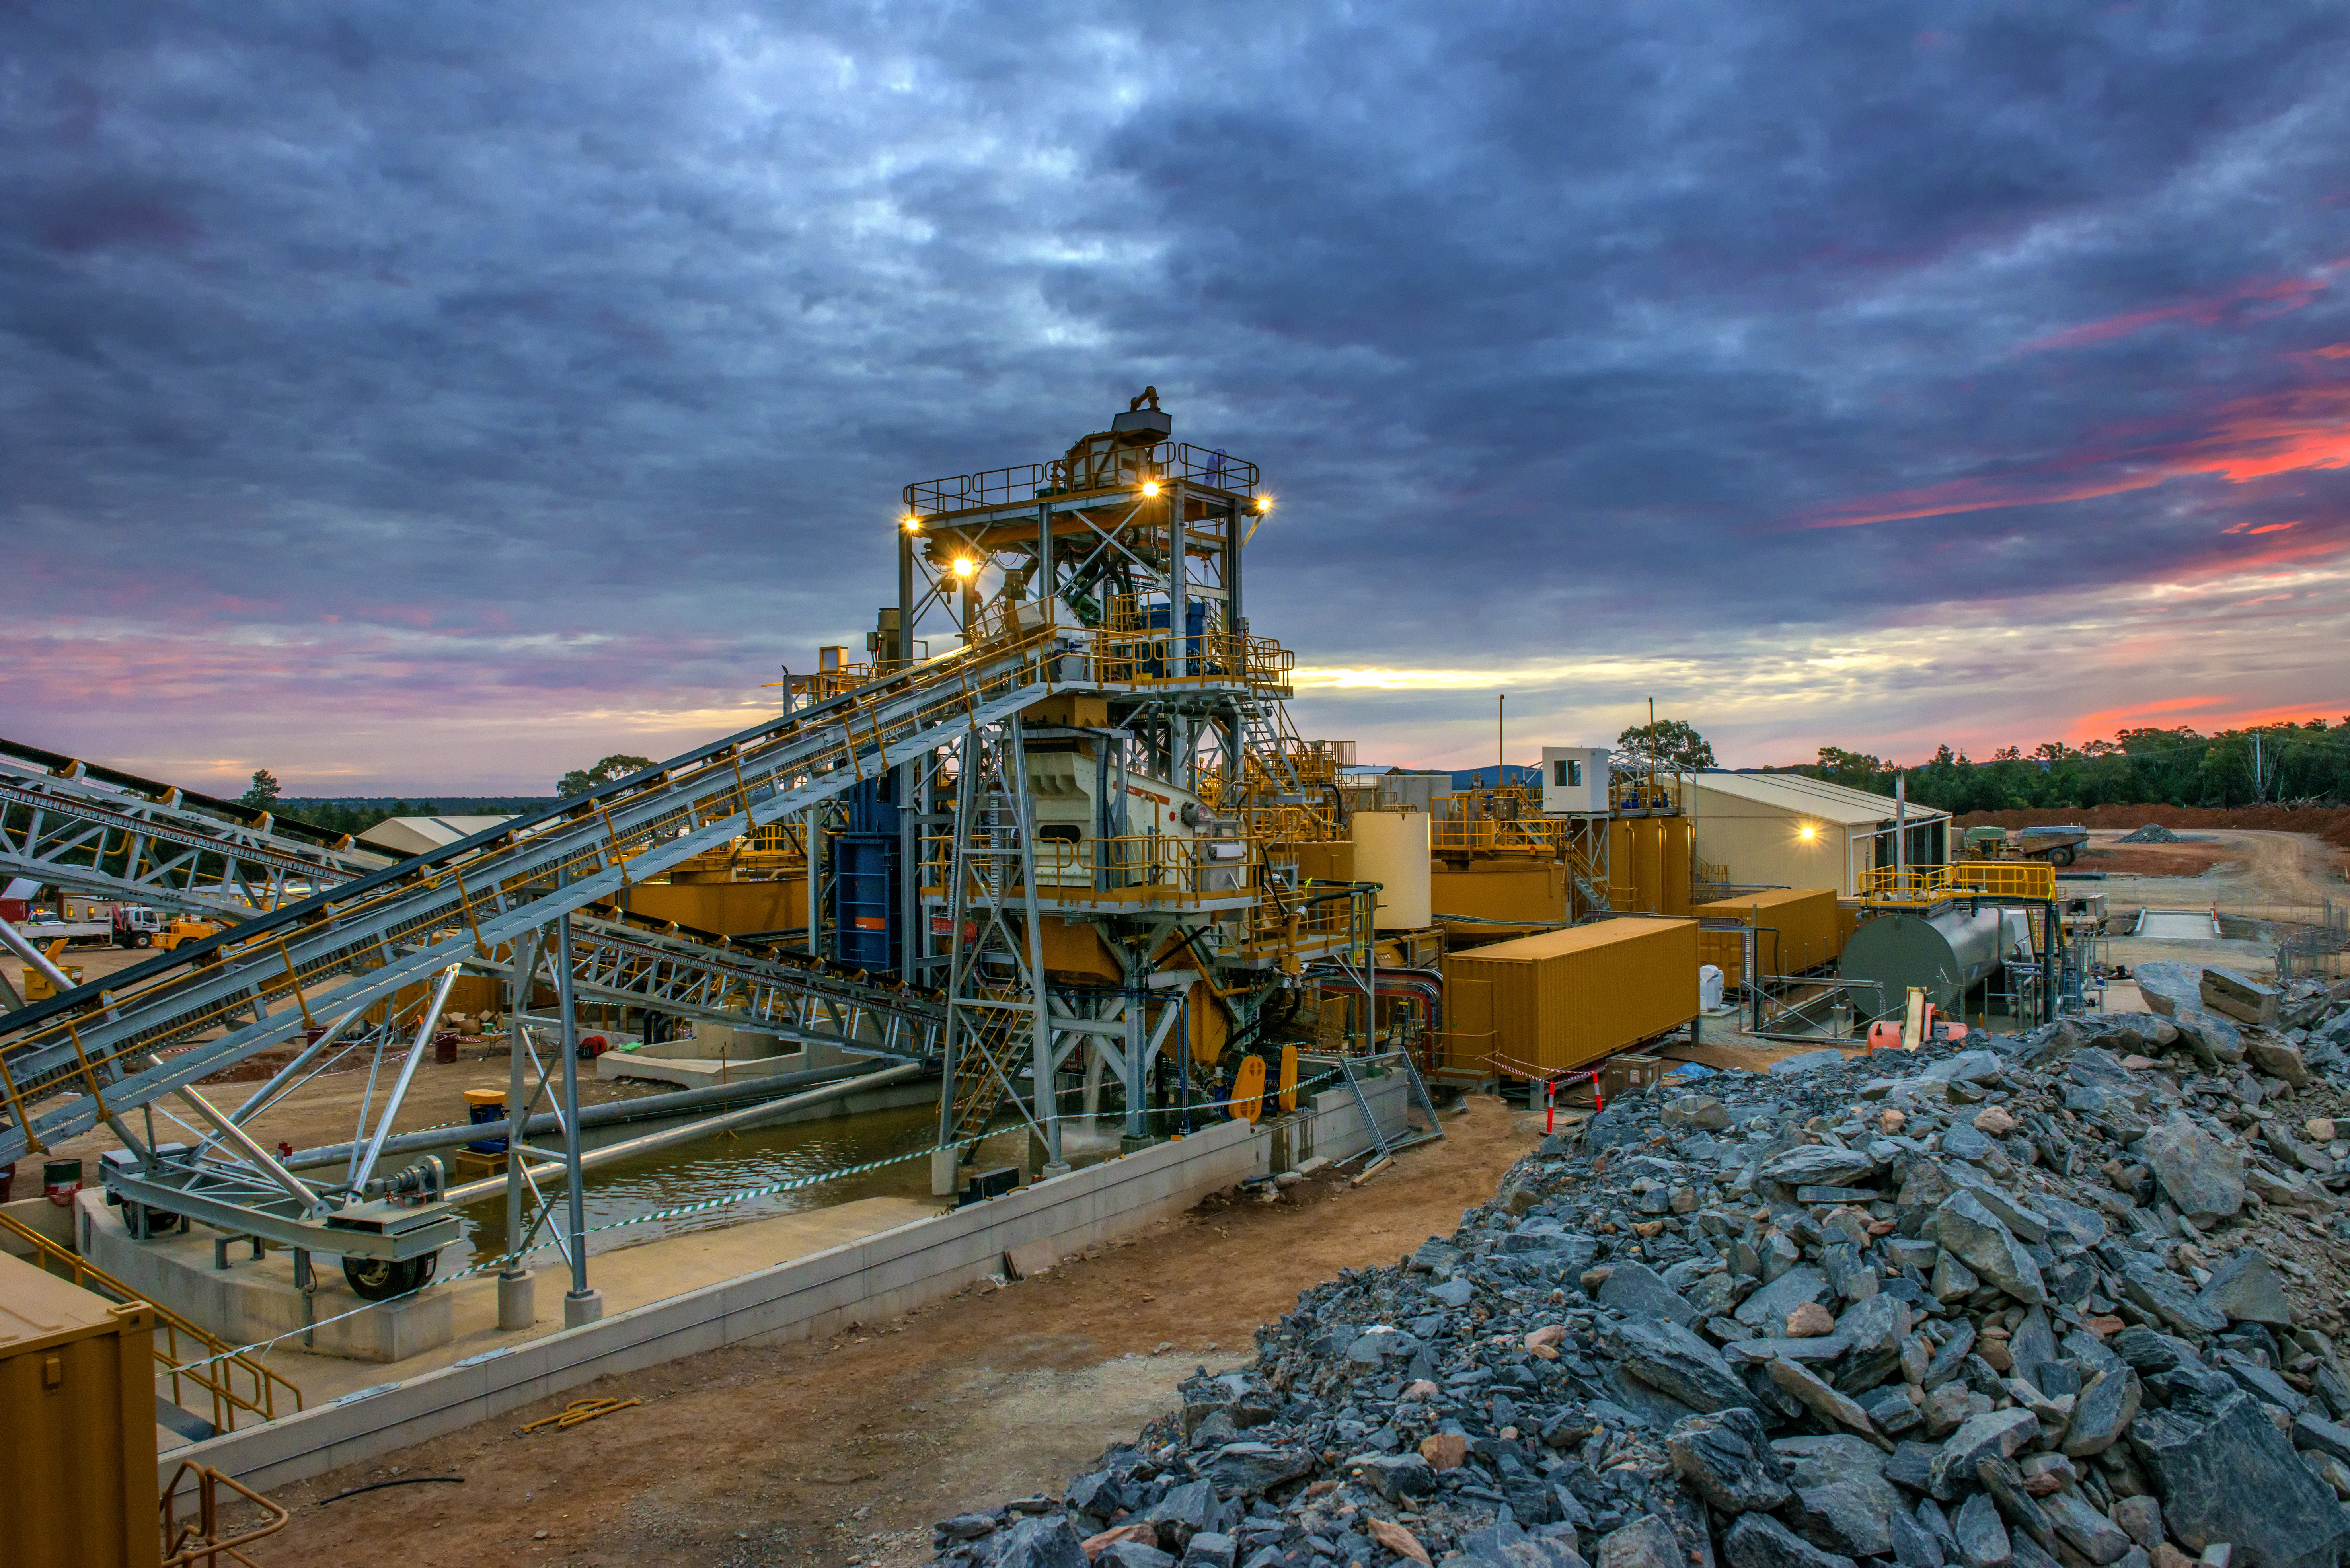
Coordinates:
(380, 1279)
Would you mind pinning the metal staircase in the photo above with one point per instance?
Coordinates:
(997, 1004)
(91, 1054)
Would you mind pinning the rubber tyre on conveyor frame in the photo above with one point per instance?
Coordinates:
(159, 1222)
(380, 1279)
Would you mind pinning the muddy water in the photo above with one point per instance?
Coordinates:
(731, 1164)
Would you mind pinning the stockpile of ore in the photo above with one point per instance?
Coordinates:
(2067, 1297)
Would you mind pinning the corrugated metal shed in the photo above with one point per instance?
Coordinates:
(416, 835)
(1785, 830)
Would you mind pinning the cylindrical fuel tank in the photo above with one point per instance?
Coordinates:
(1639, 864)
(1944, 952)
(1391, 848)
(1677, 851)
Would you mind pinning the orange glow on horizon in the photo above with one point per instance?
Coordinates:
(2260, 299)
(2249, 438)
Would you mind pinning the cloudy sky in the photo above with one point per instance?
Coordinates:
(432, 397)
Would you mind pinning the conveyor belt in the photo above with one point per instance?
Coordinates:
(112, 834)
(101, 831)
(67, 1062)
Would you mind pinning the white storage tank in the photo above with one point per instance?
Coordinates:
(1391, 848)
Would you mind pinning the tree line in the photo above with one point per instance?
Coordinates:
(2275, 764)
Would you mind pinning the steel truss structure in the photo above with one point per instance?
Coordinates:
(95, 830)
(1097, 602)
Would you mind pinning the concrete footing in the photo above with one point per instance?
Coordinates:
(257, 1299)
(517, 1300)
(581, 1308)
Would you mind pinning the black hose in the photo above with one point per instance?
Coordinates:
(403, 1481)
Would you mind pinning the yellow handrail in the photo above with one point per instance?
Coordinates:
(215, 1374)
(1988, 878)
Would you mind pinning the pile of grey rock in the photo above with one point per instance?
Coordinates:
(2062, 1298)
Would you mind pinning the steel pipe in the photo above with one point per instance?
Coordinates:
(668, 1138)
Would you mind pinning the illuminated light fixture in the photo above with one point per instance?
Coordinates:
(913, 524)
(1807, 832)
(1149, 487)
(1265, 504)
(965, 566)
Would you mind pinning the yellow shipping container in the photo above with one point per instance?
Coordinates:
(1564, 999)
(78, 1397)
(1795, 931)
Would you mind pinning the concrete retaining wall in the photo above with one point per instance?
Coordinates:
(877, 1277)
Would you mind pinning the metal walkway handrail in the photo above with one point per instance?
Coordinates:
(215, 1371)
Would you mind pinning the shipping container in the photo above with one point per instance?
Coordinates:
(1545, 1004)
(1796, 930)
(77, 1401)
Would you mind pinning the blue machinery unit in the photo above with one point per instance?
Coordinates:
(863, 881)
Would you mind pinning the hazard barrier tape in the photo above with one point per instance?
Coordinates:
(679, 1211)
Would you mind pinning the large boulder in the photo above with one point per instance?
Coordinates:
(2202, 1176)
(1819, 1165)
(1047, 1541)
(2247, 1288)
(1972, 1233)
(1672, 1360)
(1725, 1460)
(1767, 1308)
(1638, 1291)
(2000, 1433)
(1759, 1541)
(2225, 1473)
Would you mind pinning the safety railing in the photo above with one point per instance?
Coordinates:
(1985, 878)
(1496, 836)
(1146, 868)
(1207, 659)
(235, 1383)
(1155, 868)
(1136, 465)
(1285, 919)
(202, 1542)
(1292, 824)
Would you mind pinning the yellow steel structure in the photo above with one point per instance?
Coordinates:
(1966, 878)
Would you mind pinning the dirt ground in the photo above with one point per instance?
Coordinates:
(2117, 859)
(846, 1452)
(2233, 868)
(2329, 823)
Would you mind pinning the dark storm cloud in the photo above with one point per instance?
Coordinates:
(506, 357)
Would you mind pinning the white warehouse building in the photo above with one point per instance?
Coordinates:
(1785, 830)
